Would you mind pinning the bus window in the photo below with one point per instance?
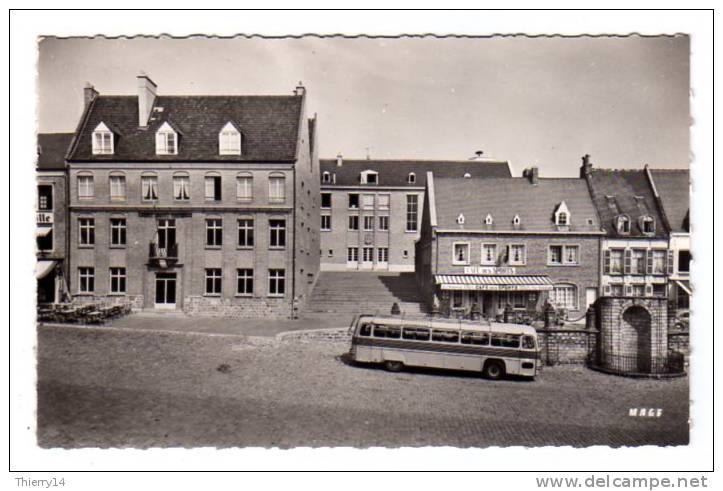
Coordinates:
(506, 340)
(528, 342)
(409, 333)
(365, 330)
(394, 332)
(445, 335)
(474, 337)
(380, 331)
(419, 333)
(423, 334)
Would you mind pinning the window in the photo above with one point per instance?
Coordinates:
(368, 177)
(368, 201)
(383, 254)
(213, 281)
(326, 200)
(277, 188)
(212, 188)
(505, 340)
(648, 225)
(352, 254)
(181, 188)
(405, 254)
(562, 215)
(489, 254)
(102, 140)
(475, 337)
(411, 178)
(330, 254)
(214, 232)
(489, 220)
(244, 188)
(117, 280)
(383, 201)
(457, 299)
(623, 224)
(562, 218)
(117, 187)
(659, 262)
(149, 188)
(516, 221)
(326, 223)
(86, 228)
(353, 200)
(245, 232)
(616, 290)
(683, 261)
(86, 280)
(45, 238)
(412, 208)
(444, 335)
(555, 255)
(516, 254)
(616, 261)
(117, 232)
(659, 290)
(384, 223)
(564, 296)
(637, 263)
(367, 254)
(277, 282)
(563, 255)
(638, 290)
(166, 140)
(368, 223)
(244, 281)
(420, 333)
(229, 140)
(461, 253)
(277, 233)
(353, 222)
(85, 187)
(45, 197)
(326, 177)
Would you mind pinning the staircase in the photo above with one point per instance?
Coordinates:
(346, 294)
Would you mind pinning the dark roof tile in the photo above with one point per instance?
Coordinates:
(673, 186)
(52, 148)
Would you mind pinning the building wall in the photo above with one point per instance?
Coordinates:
(627, 280)
(58, 180)
(397, 239)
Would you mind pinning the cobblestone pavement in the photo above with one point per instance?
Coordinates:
(131, 388)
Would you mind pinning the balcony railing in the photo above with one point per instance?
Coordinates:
(157, 254)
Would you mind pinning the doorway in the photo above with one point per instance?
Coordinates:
(165, 290)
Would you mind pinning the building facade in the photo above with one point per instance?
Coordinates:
(509, 243)
(52, 217)
(206, 204)
(371, 209)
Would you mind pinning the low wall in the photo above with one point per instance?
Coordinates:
(135, 301)
(238, 308)
(566, 346)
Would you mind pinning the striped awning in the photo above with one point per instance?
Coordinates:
(493, 282)
(685, 285)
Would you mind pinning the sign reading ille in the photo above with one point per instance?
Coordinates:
(43, 217)
(492, 270)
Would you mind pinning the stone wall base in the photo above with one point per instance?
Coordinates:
(135, 301)
(238, 308)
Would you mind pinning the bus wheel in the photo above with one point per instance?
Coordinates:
(494, 370)
(393, 366)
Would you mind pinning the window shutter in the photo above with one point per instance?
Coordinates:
(628, 260)
(606, 262)
(628, 290)
(160, 142)
(649, 290)
(606, 289)
(671, 262)
(649, 257)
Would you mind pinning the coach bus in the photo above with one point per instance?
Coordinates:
(494, 349)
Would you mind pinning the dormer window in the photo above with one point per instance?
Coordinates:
(166, 140)
(623, 224)
(412, 178)
(229, 140)
(562, 215)
(369, 177)
(102, 140)
(326, 177)
(516, 221)
(489, 220)
(647, 224)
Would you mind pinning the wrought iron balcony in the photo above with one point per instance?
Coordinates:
(162, 256)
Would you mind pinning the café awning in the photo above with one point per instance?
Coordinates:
(493, 282)
(685, 285)
(43, 231)
(43, 268)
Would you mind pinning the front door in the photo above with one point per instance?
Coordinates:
(165, 290)
(367, 258)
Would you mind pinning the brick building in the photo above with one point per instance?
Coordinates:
(207, 204)
(52, 217)
(635, 259)
(513, 241)
(371, 209)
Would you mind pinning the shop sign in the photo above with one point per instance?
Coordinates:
(494, 288)
(489, 270)
(43, 217)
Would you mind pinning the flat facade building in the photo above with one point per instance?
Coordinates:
(371, 209)
(508, 243)
(52, 217)
(206, 204)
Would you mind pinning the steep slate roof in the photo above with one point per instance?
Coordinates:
(52, 148)
(395, 172)
(269, 125)
(673, 186)
(505, 198)
(623, 186)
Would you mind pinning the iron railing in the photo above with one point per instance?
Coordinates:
(672, 364)
(156, 252)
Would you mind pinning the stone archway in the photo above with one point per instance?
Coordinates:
(637, 333)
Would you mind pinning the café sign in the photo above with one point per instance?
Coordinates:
(489, 270)
(43, 217)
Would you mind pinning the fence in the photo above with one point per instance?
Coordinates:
(673, 364)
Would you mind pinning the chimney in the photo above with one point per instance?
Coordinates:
(532, 174)
(300, 90)
(586, 167)
(146, 97)
(339, 160)
(89, 93)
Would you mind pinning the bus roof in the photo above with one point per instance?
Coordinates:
(466, 325)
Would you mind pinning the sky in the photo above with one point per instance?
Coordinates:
(532, 101)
